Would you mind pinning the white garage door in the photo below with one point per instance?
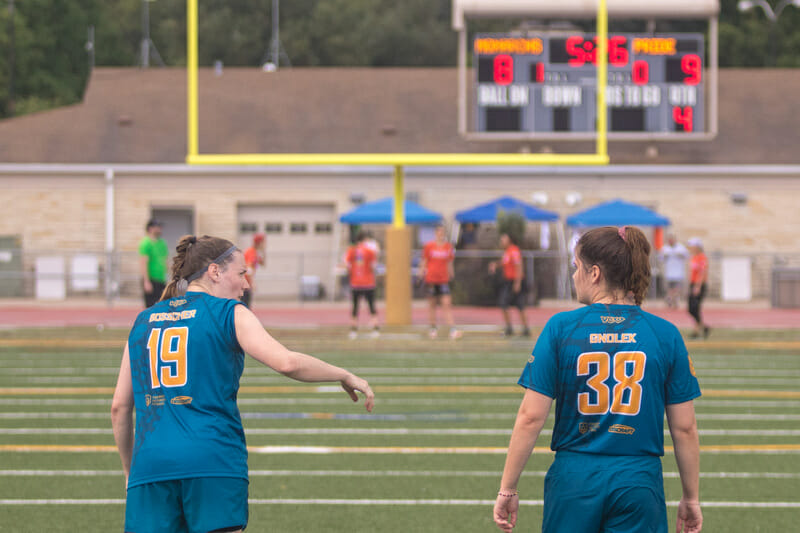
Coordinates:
(300, 246)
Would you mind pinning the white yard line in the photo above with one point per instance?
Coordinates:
(326, 400)
(367, 502)
(392, 417)
(389, 473)
(394, 432)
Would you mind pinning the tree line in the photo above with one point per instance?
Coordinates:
(47, 51)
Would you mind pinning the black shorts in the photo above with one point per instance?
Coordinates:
(506, 297)
(435, 290)
(152, 298)
(369, 295)
(247, 297)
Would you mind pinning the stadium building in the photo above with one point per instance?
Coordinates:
(83, 180)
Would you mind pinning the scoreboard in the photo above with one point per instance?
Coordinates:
(547, 84)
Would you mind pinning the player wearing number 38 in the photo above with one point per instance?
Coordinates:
(186, 462)
(613, 370)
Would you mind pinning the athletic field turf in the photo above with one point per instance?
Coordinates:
(427, 459)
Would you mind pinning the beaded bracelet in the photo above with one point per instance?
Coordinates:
(508, 494)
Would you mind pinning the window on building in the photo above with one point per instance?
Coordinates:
(296, 228)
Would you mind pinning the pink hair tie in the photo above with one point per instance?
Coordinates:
(621, 232)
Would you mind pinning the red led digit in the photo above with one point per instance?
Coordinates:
(575, 50)
(591, 50)
(617, 52)
(693, 68)
(539, 72)
(640, 72)
(503, 69)
(683, 116)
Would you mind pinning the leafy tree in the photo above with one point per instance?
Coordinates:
(51, 62)
(512, 224)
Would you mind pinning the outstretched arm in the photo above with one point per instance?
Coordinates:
(255, 340)
(683, 429)
(530, 419)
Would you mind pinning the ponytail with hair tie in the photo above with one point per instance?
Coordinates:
(622, 234)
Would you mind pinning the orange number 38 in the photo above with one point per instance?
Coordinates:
(628, 373)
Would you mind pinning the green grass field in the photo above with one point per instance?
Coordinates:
(427, 459)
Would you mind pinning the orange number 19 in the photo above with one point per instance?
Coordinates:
(169, 350)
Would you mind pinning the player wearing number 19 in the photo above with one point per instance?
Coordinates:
(613, 370)
(186, 462)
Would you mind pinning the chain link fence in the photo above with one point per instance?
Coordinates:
(63, 275)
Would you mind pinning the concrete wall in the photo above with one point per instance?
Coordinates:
(63, 208)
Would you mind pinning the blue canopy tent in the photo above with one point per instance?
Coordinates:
(381, 211)
(488, 212)
(617, 213)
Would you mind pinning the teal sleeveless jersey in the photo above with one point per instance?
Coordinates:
(612, 369)
(186, 364)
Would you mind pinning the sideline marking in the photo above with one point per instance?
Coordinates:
(473, 389)
(120, 342)
(393, 431)
(338, 501)
(401, 450)
(448, 416)
(392, 473)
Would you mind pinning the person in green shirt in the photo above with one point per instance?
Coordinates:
(153, 254)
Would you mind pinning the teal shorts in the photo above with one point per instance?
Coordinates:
(196, 505)
(585, 493)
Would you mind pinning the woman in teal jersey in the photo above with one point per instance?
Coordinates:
(185, 463)
(614, 370)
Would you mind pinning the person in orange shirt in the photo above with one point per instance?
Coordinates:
(698, 283)
(360, 259)
(437, 271)
(512, 291)
(253, 257)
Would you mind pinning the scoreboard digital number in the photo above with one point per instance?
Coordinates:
(548, 83)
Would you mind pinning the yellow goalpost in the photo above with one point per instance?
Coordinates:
(194, 157)
(398, 248)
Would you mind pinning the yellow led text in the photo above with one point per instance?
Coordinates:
(656, 46)
(487, 45)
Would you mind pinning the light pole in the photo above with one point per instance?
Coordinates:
(147, 46)
(772, 16)
(12, 58)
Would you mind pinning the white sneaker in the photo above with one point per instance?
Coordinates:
(353, 335)
(433, 333)
(455, 334)
(374, 334)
